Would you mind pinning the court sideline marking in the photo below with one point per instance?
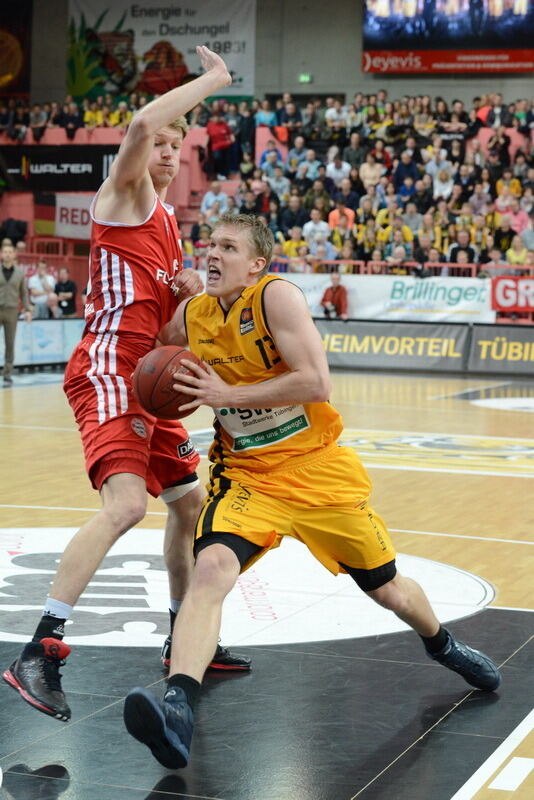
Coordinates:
(495, 760)
(444, 717)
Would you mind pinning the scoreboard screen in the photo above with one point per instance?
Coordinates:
(448, 36)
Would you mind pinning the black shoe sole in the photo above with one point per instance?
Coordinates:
(12, 681)
(214, 665)
(144, 721)
(486, 688)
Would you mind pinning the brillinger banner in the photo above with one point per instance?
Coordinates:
(404, 298)
(120, 46)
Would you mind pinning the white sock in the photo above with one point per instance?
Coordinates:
(55, 608)
(175, 605)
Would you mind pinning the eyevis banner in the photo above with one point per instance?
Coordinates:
(120, 46)
(403, 36)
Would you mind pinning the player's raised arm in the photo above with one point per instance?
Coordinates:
(130, 166)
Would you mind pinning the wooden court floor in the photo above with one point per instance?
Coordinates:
(452, 462)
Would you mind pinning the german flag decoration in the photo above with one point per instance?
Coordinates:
(45, 213)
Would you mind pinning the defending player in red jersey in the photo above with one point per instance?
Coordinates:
(136, 282)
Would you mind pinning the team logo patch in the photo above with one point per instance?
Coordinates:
(185, 449)
(246, 321)
(138, 427)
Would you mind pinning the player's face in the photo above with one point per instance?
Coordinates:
(165, 158)
(232, 264)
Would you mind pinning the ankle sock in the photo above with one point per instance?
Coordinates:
(433, 644)
(56, 608)
(190, 686)
(175, 605)
(49, 627)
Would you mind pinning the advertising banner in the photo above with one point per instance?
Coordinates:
(49, 168)
(391, 297)
(73, 219)
(374, 345)
(404, 61)
(502, 349)
(433, 36)
(49, 341)
(512, 293)
(149, 46)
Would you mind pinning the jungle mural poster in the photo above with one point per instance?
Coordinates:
(120, 47)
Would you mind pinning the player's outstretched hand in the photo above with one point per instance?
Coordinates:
(204, 385)
(211, 62)
(187, 283)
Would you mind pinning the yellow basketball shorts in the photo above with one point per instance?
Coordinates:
(322, 501)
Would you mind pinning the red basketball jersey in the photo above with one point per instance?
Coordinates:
(131, 273)
(129, 300)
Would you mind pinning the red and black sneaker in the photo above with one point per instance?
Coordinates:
(36, 677)
(223, 659)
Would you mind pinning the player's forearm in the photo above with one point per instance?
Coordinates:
(292, 387)
(179, 101)
(172, 334)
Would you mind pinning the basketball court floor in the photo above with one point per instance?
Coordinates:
(342, 702)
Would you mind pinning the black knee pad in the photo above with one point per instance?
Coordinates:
(369, 579)
(243, 549)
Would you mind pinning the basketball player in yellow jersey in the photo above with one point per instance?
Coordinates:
(277, 470)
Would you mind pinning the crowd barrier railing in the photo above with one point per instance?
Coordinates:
(313, 264)
(78, 269)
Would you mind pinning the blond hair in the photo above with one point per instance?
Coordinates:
(259, 235)
(179, 125)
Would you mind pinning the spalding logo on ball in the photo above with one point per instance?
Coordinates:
(153, 380)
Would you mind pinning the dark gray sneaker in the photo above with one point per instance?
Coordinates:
(36, 676)
(475, 667)
(166, 727)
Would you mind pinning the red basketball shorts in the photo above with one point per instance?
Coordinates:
(119, 436)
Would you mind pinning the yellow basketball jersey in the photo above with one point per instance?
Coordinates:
(239, 346)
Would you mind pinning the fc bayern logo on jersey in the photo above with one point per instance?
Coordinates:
(139, 427)
(246, 322)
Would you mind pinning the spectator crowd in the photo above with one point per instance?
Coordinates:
(51, 294)
(105, 111)
(396, 184)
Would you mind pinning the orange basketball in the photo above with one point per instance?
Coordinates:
(153, 379)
